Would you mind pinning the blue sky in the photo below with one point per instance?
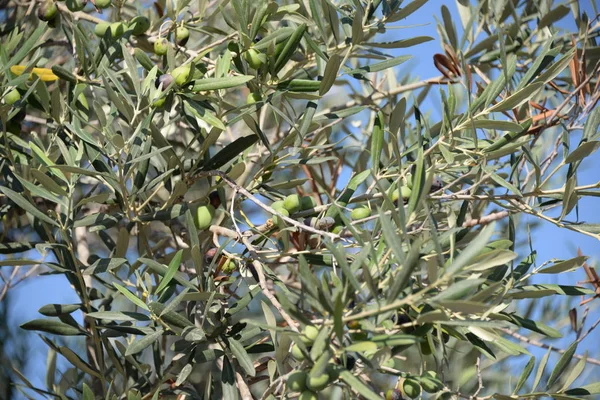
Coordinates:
(549, 241)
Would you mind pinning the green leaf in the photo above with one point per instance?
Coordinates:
(207, 84)
(144, 342)
(52, 326)
(172, 269)
(540, 370)
(554, 15)
(564, 266)
(525, 375)
(119, 316)
(330, 74)
(230, 152)
(493, 124)
(54, 310)
(358, 386)
(25, 48)
(517, 98)
(406, 10)
(562, 364)
(78, 361)
(575, 372)
(361, 347)
(581, 152)
(592, 388)
(377, 139)
(202, 113)
(400, 44)
(135, 300)
(27, 206)
(242, 356)
(471, 250)
(289, 49)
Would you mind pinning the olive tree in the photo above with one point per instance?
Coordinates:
(251, 199)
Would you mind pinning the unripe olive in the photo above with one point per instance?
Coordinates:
(76, 5)
(254, 58)
(426, 348)
(165, 79)
(182, 74)
(229, 267)
(337, 229)
(161, 46)
(292, 203)
(281, 211)
(393, 394)
(158, 103)
(309, 334)
(404, 191)
(12, 97)
(353, 324)
(182, 34)
(411, 388)
(204, 216)
(139, 25)
(317, 383)
(297, 353)
(307, 202)
(297, 381)
(430, 382)
(360, 213)
(308, 395)
(47, 11)
(101, 28)
(102, 3)
(252, 98)
(277, 204)
(117, 29)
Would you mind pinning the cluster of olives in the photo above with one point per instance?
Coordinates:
(292, 204)
(161, 46)
(302, 382)
(138, 26)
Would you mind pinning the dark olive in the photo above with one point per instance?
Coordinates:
(165, 79)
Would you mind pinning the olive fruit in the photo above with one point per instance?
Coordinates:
(161, 46)
(309, 334)
(182, 74)
(277, 204)
(337, 229)
(158, 103)
(102, 3)
(12, 97)
(48, 11)
(281, 211)
(182, 34)
(229, 267)
(165, 79)
(307, 202)
(101, 28)
(292, 203)
(253, 97)
(430, 382)
(404, 191)
(297, 353)
(426, 348)
(117, 29)
(204, 216)
(308, 395)
(297, 381)
(360, 213)
(393, 394)
(139, 25)
(317, 383)
(254, 58)
(76, 5)
(411, 388)
(353, 324)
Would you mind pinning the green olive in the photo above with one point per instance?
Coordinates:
(76, 5)
(102, 4)
(161, 46)
(404, 191)
(337, 229)
(182, 74)
(101, 28)
(48, 11)
(277, 204)
(353, 324)
(297, 381)
(309, 334)
(281, 211)
(139, 25)
(117, 29)
(229, 267)
(426, 348)
(204, 216)
(297, 353)
(308, 395)
(307, 202)
(182, 34)
(411, 388)
(292, 203)
(360, 213)
(158, 103)
(12, 97)
(254, 58)
(252, 98)
(430, 382)
(317, 383)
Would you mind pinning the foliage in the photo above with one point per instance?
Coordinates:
(250, 201)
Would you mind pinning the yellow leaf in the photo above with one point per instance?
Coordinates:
(45, 74)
